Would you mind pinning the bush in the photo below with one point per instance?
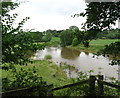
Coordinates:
(48, 56)
(75, 42)
(24, 78)
(86, 44)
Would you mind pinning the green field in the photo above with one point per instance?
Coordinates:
(102, 42)
(55, 39)
(95, 45)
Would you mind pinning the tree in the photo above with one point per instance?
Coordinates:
(74, 29)
(15, 46)
(37, 36)
(47, 37)
(79, 36)
(100, 16)
(66, 37)
(15, 42)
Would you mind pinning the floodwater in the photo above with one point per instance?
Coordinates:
(82, 61)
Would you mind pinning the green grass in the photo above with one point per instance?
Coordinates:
(53, 74)
(55, 39)
(49, 71)
(102, 42)
(48, 56)
(95, 45)
(55, 42)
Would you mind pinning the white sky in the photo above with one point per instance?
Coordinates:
(51, 14)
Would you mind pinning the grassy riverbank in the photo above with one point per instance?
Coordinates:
(50, 72)
(55, 75)
(95, 45)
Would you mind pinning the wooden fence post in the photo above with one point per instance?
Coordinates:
(100, 85)
(50, 93)
(92, 85)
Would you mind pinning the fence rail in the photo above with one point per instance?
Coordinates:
(101, 84)
(23, 89)
(110, 84)
(71, 85)
(90, 81)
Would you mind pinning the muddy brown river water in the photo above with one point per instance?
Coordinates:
(82, 61)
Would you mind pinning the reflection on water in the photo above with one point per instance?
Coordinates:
(68, 53)
(82, 61)
(87, 53)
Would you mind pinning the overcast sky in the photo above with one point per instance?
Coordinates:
(51, 14)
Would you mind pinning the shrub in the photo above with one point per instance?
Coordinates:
(48, 56)
(75, 42)
(24, 78)
(86, 44)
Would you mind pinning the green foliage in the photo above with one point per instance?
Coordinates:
(46, 69)
(37, 36)
(114, 50)
(82, 90)
(86, 43)
(80, 35)
(47, 37)
(108, 91)
(112, 34)
(48, 56)
(7, 66)
(74, 29)
(6, 9)
(66, 37)
(100, 15)
(55, 42)
(15, 41)
(22, 78)
(75, 42)
(95, 45)
(55, 33)
(74, 36)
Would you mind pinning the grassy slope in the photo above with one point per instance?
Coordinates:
(46, 69)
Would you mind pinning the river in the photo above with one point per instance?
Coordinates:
(82, 61)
